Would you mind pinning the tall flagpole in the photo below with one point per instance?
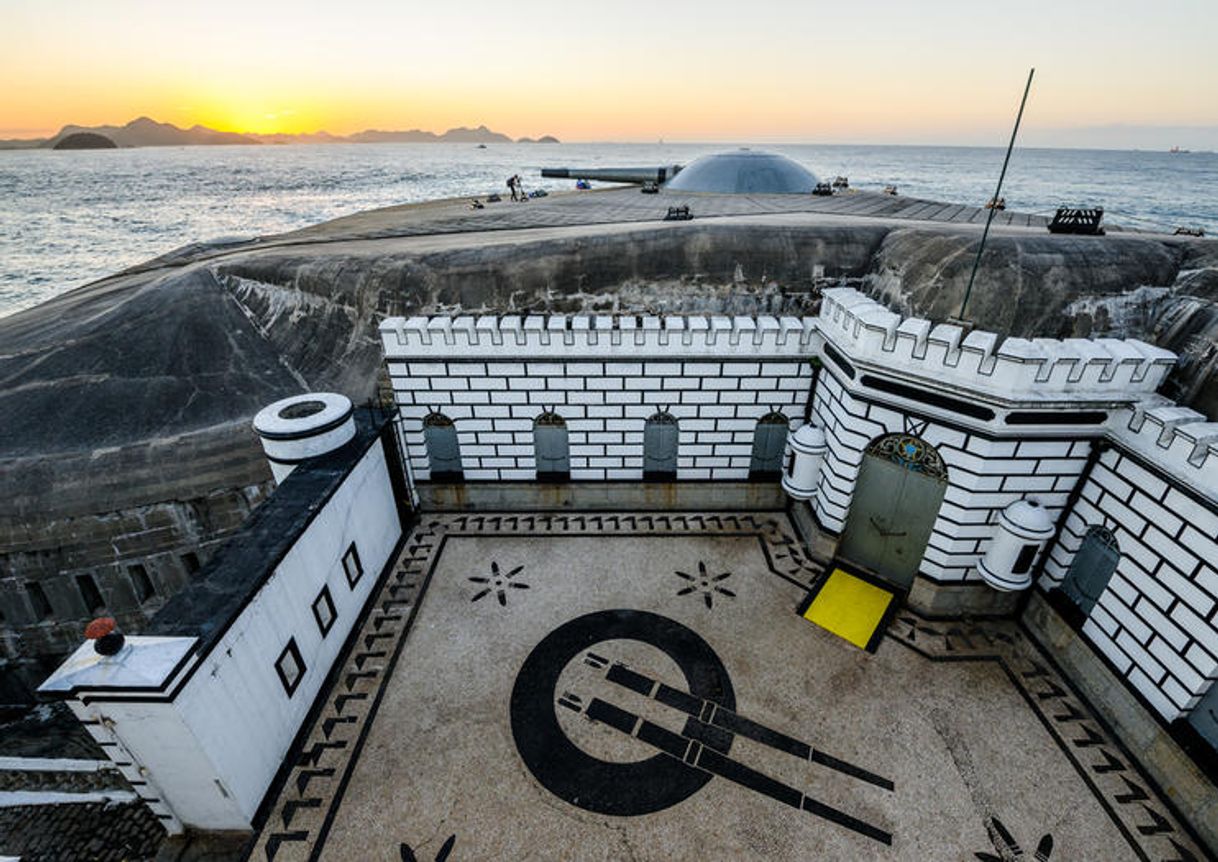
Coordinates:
(994, 208)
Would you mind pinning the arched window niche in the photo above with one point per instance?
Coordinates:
(551, 448)
(661, 439)
(1092, 568)
(769, 442)
(443, 448)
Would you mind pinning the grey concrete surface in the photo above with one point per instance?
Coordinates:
(935, 600)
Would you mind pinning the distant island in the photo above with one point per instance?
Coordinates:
(145, 132)
(85, 141)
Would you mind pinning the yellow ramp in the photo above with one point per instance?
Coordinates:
(849, 607)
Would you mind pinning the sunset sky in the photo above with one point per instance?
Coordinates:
(937, 71)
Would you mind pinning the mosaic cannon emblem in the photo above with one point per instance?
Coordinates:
(679, 764)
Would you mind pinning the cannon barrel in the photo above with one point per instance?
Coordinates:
(614, 175)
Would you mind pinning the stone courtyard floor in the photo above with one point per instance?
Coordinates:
(594, 686)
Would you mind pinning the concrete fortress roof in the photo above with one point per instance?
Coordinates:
(744, 172)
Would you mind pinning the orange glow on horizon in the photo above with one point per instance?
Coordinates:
(869, 71)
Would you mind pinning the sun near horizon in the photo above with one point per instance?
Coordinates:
(868, 71)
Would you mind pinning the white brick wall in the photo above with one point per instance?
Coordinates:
(1157, 620)
(605, 381)
(985, 475)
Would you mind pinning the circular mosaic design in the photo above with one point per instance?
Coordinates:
(623, 789)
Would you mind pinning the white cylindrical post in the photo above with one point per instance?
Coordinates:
(805, 452)
(303, 426)
(1024, 527)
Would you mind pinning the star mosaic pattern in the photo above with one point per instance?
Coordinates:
(498, 582)
(706, 584)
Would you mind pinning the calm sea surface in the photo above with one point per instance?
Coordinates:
(67, 218)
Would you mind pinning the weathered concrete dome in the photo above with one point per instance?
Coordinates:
(744, 172)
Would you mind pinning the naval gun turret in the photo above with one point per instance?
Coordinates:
(740, 171)
(657, 175)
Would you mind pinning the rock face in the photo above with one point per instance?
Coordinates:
(85, 141)
(127, 454)
(1122, 286)
(1024, 280)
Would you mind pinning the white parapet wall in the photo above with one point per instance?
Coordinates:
(201, 723)
(604, 376)
(1016, 370)
(564, 337)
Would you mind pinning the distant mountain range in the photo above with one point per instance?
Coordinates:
(145, 132)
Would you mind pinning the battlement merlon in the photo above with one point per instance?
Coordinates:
(1012, 369)
(585, 336)
(1178, 440)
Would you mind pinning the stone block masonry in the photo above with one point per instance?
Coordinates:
(605, 376)
(1156, 620)
(135, 557)
(985, 475)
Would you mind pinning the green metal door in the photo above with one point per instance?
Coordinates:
(550, 448)
(895, 504)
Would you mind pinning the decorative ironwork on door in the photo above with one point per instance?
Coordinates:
(910, 452)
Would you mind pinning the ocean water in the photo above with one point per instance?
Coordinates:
(68, 218)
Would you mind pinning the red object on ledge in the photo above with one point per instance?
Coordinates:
(100, 627)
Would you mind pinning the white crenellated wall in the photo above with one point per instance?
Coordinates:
(1177, 439)
(605, 376)
(961, 394)
(1154, 484)
(1013, 369)
(571, 336)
